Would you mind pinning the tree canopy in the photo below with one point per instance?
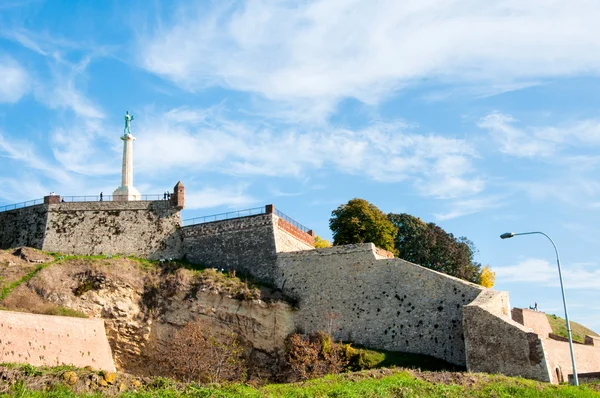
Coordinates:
(409, 238)
(359, 221)
(428, 245)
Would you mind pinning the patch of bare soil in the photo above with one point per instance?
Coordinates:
(16, 263)
(457, 378)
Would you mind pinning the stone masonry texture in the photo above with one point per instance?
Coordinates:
(23, 227)
(246, 244)
(388, 304)
(497, 344)
(141, 228)
(44, 340)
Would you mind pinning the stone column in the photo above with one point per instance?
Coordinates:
(127, 191)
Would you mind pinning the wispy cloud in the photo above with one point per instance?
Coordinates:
(544, 141)
(464, 207)
(540, 272)
(234, 197)
(317, 52)
(14, 80)
(387, 152)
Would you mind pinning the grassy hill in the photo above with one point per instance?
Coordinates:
(578, 331)
(27, 381)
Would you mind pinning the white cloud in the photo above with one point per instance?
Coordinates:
(14, 80)
(540, 272)
(464, 207)
(545, 141)
(322, 51)
(234, 197)
(209, 140)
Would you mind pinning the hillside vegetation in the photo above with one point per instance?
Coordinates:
(578, 331)
(27, 381)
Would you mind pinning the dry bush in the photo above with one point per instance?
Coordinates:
(314, 356)
(196, 353)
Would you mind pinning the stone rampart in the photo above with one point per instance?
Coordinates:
(23, 227)
(44, 340)
(497, 344)
(140, 228)
(245, 244)
(389, 304)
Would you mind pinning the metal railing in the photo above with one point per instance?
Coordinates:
(291, 221)
(22, 204)
(106, 198)
(225, 216)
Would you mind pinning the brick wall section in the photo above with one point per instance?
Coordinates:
(497, 344)
(557, 351)
(23, 227)
(587, 359)
(288, 238)
(536, 320)
(389, 304)
(245, 244)
(140, 228)
(44, 340)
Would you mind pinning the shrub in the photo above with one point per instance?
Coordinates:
(196, 353)
(314, 356)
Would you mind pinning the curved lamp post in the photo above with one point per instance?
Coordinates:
(510, 235)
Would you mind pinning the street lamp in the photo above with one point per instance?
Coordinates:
(510, 235)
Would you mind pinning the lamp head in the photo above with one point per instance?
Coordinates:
(507, 235)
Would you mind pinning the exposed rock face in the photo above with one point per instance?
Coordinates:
(141, 307)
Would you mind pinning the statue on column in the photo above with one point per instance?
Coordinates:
(128, 119)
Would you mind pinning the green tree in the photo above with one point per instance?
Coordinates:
(430, 246)
(359, 221)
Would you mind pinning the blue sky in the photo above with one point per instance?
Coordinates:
(479, 116)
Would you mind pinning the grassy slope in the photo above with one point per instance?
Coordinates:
(578, 331)
(392, 383)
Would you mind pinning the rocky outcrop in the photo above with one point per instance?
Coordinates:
(141, 306)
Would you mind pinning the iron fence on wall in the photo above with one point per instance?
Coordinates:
(22, 204)
(292, 221)
(225, 216)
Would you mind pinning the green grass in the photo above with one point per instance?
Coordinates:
(578, 331)
(397, 384)
(6, 290)
(377, 359)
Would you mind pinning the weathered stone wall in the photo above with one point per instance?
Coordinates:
(23, 227)
(288, 238)
(140, 228)
(387, 303)
(245, 244)
(44, 340)
(497, 344)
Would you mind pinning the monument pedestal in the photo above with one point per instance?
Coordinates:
(127, 191)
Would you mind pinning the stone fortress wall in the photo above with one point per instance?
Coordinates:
(140, 228)
(23, 227)
(377, 302)
(359, 293)
(46, 340)
(246, 244)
